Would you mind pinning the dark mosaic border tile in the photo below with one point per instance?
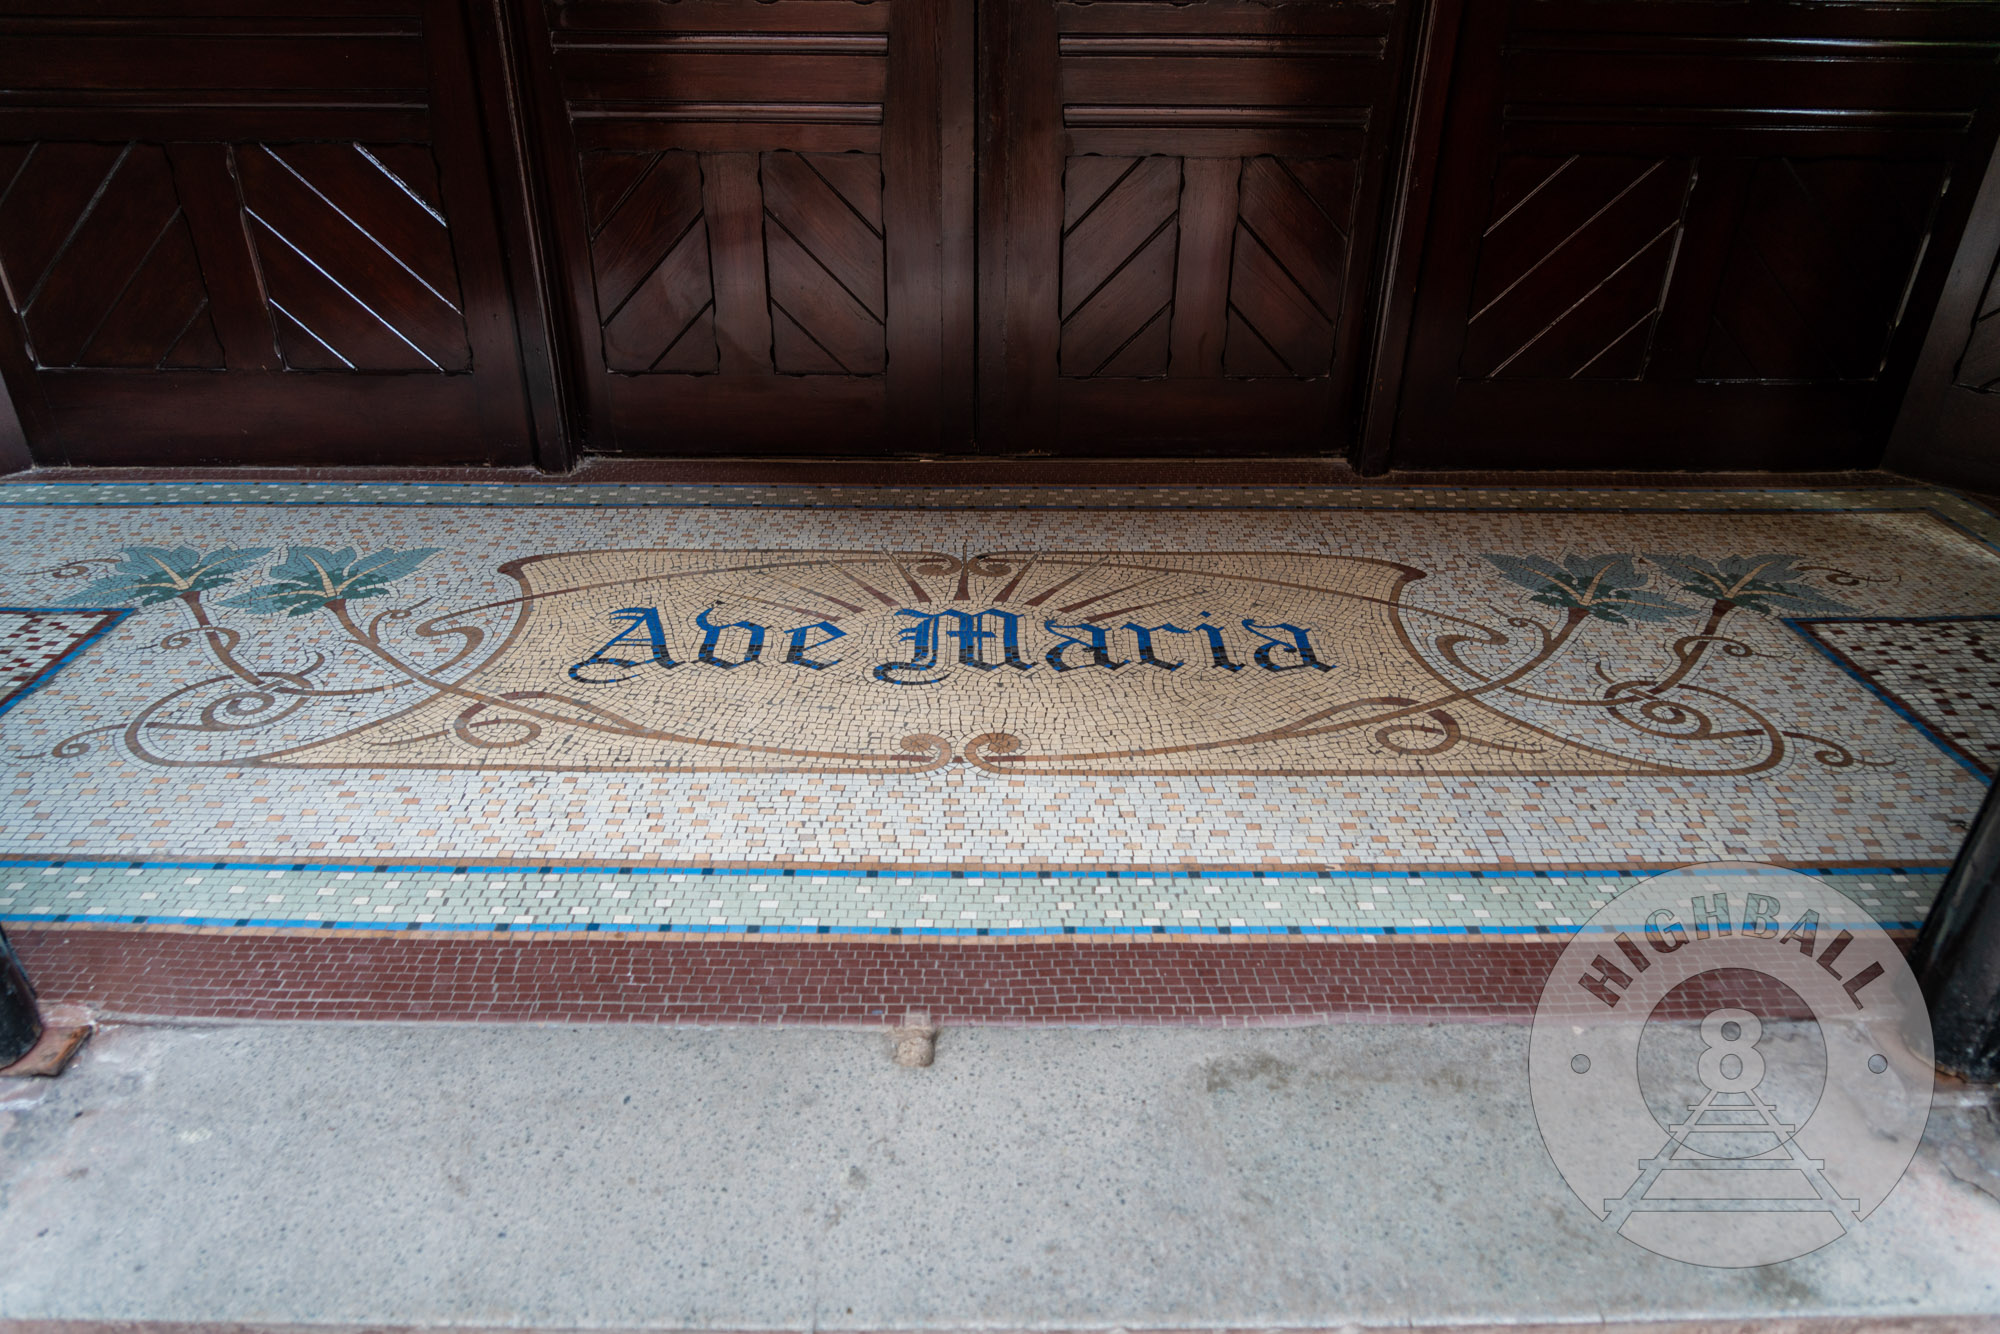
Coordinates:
(628, 979)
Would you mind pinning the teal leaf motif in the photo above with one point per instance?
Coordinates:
(1767, 585)
(310, 577)
(1609, 588)
(148, 575)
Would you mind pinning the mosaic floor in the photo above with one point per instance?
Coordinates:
(710, 713)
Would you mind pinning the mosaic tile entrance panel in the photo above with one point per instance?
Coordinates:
(1087, 711)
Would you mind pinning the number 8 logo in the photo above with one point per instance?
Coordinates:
(1731, 1063)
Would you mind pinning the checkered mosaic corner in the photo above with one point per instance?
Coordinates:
(1941, 673)
(914, 903)
(37, 642)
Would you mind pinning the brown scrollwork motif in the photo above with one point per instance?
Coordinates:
(412, 684)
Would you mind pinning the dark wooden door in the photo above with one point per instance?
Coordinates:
(766, 210)
(1673, 234)
(1178, 219)
(1625, 232)
(762, 212)
(235, 233)
(1949, 428)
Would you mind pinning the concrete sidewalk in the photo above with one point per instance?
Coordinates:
(773, 1178)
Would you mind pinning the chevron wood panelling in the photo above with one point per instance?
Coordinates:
(249, 232)
(356, 256)
(1576, 262)
(1573, 266)
(1710, 232)
(97, 259)
(1169, 265)
(760, 194)
(1268, 236)
(819, 256)
(1818, 268)
(1146, 228)
(649, 249)
(1290, 264)
(354, 259)
(1118, 253)
(824, 257)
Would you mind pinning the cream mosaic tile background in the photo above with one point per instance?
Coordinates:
(1903, 803)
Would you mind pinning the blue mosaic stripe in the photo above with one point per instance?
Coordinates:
(1971, 533)
(754, 929)
(1797, 626)
(113, 616)
(361, 872)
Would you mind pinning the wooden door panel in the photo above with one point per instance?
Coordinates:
(1575, 262)
(357, 270)
(1777, 317)
(356, 264)
(768, 206)
(251, 237)
(49, 187)
(1287, 279)
(1949, 427)
(388, 193)
(1177, 260)
(1572, 269)
(1118, 268)
(825, 263)
(763, 193)
(98, 262)
(1180, 224)
(1979, 366)
(649, 251)
(1690, 234)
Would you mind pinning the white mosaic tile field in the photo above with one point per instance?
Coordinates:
(804, 710)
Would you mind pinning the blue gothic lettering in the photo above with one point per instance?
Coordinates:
(922, 637)
(653, 640)
(796, 654)
(987, 641)
(969, 629)
(1217, 651)
(1146, 633)
(1093, 639)
(1300, 644)
(713, 637)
